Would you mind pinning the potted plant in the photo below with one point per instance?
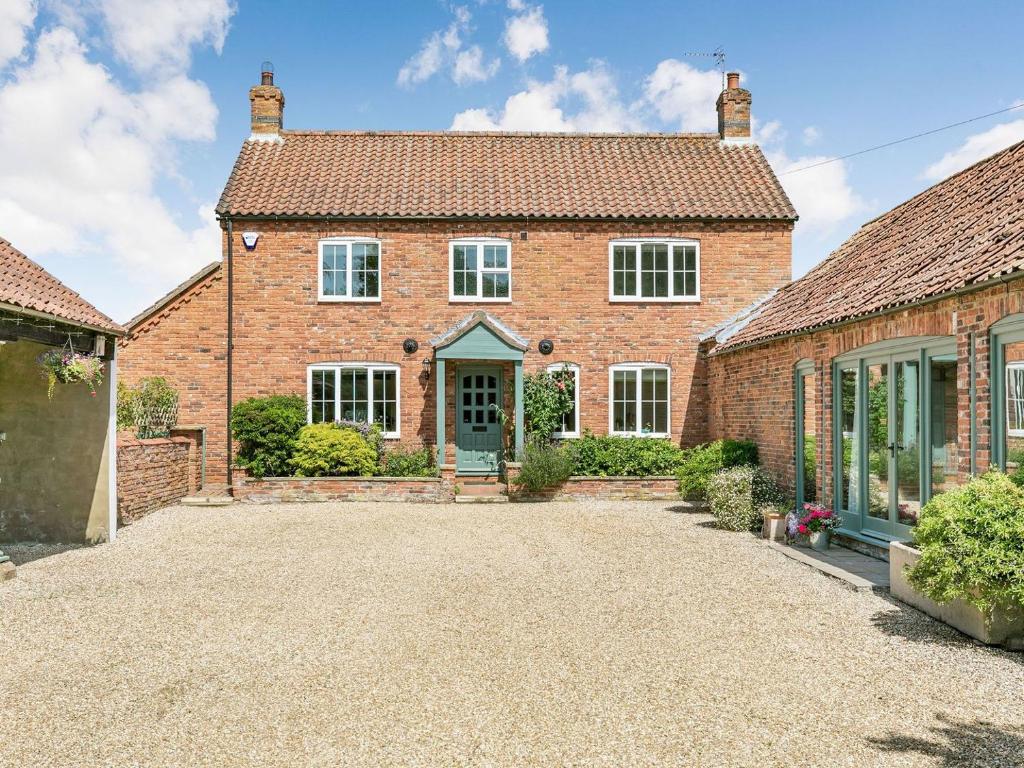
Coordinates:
(817, 525)
(67, 367)
(773, 526)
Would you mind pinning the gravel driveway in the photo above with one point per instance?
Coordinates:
(546, 634)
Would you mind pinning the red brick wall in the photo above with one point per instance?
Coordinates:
(559, 291)
(152, 474)
(186, 343)
(751, 390)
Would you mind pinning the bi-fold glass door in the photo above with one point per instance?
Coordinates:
(896, 443)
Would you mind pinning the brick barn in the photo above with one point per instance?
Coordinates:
(894, 370)
(412, 278)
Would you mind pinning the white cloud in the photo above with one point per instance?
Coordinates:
(526, 33)
(974, 148)
(470, 66)
(16, 17)
(684, 95)
(445, 48)
(823, 196)
(161, 33)
(584, 101)
(84, 157)
(811, 135)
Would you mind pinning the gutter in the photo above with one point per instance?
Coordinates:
(967, 289)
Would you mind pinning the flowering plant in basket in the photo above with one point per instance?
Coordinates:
(68, 367)
(818, 519)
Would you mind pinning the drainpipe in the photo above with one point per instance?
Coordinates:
(231, 299)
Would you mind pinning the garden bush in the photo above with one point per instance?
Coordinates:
(972, 544)
(544, 465)
(329, 450)
(698, 464)
(266, 429)
(738, 494)
(402, 462)
(612, 455)
(547, 396)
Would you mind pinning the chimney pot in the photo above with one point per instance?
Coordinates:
(734, 80)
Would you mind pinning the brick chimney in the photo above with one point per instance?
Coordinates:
(267, 102)
(734, 110)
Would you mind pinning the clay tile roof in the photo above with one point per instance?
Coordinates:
(453, 174)
(26, 285)
(962, 232)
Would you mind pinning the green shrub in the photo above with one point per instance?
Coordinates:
(402, 462)
(544, 465)
(972, 544)
(613, 455)
(700, 463)
(328, 450)
(266, 429)
(547, 396)
(738, 494)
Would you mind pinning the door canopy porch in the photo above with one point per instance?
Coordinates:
(479, 336)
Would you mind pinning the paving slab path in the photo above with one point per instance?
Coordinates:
(522, 634)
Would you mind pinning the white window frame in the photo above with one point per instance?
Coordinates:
(479, 242)
(370, 369)
(575, 370)
(639, 368)
(1012, 366)
(348, 297)
(637, 298)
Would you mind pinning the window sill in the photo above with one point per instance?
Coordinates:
(565, 435)
(653, 300)
(475, 300)
(653, 435)
(347, 300)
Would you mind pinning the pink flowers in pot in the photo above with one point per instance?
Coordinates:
(817, 519)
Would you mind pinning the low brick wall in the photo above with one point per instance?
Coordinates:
(654, 488)
(271, 490)
(152, 474)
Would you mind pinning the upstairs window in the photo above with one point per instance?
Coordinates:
(640, 403)
(480, 270)
(349, 270)
(355, 392)
(654, 270)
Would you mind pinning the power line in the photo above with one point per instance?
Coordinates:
(900, 141)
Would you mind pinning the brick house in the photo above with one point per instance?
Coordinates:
(413, 278)
(894, 369)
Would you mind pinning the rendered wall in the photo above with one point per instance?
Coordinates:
(54, 465)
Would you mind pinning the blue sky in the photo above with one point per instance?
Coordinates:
(120, 119)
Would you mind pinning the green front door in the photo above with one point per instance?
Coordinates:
(477, 430)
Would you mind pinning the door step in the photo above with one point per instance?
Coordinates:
(462, 498)
(210, 496)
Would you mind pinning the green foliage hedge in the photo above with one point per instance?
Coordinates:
(699, 464)
(738, 495)
(327, 450)
(151, 406)
(266, 429)
(544, 465)
(402, 462)
(972, 544)
(613, 455)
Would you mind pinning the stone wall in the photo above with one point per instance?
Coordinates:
(154, 473)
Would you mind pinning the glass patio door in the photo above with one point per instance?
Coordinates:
(892, 445)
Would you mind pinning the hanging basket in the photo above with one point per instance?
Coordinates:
(66, 366)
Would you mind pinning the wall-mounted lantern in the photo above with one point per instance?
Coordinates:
(426, 368)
